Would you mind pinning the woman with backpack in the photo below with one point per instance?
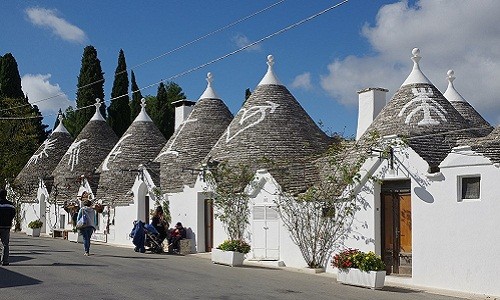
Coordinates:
(86, 223)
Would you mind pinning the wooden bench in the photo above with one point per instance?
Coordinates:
(60, 233)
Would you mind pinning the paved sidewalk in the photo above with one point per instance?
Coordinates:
(390, 281)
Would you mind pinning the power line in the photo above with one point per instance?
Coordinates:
(292, 26)
(159, 56)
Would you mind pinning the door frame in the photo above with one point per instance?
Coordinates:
(394, 189)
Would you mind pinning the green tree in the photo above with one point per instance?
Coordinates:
(21, 128)
(161, 110)
(10, 80)
(119, 109)
(135, 104)
(90, 86)
(19, 137)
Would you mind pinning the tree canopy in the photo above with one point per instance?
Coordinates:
(90, 86)
(119, 109)
(135, 104)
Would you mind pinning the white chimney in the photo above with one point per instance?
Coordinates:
(182, 110)
(371, 102)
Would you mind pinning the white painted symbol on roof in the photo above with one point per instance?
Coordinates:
(172, 142)
(117, 149)
(428, 105)
(48, 144)
(249, 113)
(74, 153)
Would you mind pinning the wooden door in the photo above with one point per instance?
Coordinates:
(397, 232)
(209, 225)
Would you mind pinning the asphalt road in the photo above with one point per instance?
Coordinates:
(45, 268)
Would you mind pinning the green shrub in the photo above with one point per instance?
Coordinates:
(35, 224)
(235, 245)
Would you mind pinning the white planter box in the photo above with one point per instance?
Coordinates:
(75, 237)
(33, 231)
(372, 279)
(229, 258)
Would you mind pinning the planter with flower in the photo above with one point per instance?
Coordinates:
(360, 268)
(230, 252)
(34, 228)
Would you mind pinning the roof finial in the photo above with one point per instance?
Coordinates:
(416, 76)
(60, 127)
(450, 76)
(209, 92)
(270, 60)
(97, 115)
(451, 93)
(416, 55)
(270, 77)
(143, 115)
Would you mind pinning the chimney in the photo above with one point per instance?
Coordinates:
(371, 102)
(182, 110)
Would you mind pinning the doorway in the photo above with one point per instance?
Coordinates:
(397, 227)
(265, 228)
(209, 225)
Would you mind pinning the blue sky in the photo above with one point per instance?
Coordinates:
(323, 62)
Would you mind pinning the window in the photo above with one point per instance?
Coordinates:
(470, 187)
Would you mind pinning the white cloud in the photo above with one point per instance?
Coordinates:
(38, 87)
(242, 40)
(458, 35)
(48, 18)
(302, 81)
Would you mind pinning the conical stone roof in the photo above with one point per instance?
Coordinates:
(43, 162)
(191, 142)
(420, 112)
(471, 116)
(489, 145)
(139, 145)
(83, 157)
(272, 126)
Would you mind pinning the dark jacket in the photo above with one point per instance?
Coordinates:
(7, 213)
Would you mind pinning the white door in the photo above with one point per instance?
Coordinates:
(265, 227)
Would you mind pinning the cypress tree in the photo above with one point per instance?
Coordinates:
(135, 104)
(119, 109)
(90, 86)
(10, 80)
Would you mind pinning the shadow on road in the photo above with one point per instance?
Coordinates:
(12, 279)
(399, 290)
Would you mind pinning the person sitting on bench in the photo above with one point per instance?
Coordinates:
(177, 234)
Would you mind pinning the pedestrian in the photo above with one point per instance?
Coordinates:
(87, 217)
(177, 234)
(7, 213)
(159, 223)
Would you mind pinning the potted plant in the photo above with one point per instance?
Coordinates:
(34, 228)
(360, 268)
(230, 252)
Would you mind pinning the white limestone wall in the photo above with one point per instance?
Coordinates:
(266, 191)
(124, 216)
(456, 241)
(188, 208)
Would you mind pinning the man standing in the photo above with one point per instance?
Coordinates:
(7, 213)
